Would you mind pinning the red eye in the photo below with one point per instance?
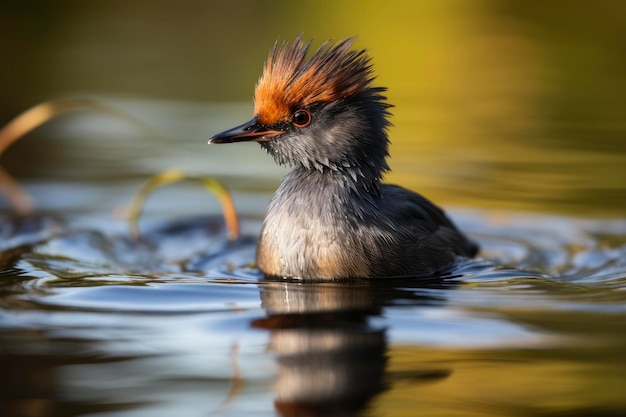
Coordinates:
(301, 118)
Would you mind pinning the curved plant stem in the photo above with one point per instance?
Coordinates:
(36, 116)
(17, 196)
(174, 175)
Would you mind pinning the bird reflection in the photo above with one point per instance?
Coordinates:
(331, 354)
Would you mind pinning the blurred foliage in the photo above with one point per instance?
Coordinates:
(517, 104)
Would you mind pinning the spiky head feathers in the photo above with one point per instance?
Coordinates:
(291, 82)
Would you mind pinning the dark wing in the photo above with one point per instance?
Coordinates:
(417, 233)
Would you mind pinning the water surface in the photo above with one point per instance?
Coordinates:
(180, 322)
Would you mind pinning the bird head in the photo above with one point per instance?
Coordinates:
(319, 112)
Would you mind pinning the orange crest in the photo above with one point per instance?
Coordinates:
(291, 82)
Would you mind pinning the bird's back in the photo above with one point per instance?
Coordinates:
(416, 236)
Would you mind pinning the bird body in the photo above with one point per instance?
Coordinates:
(332, 218)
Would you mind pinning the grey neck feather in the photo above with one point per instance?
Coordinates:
(345, 149)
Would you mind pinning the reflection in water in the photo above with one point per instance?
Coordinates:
(91, 322)
(331, 357)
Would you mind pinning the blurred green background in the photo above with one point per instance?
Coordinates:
(510, 104)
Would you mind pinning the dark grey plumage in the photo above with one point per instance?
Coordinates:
(332, 217)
